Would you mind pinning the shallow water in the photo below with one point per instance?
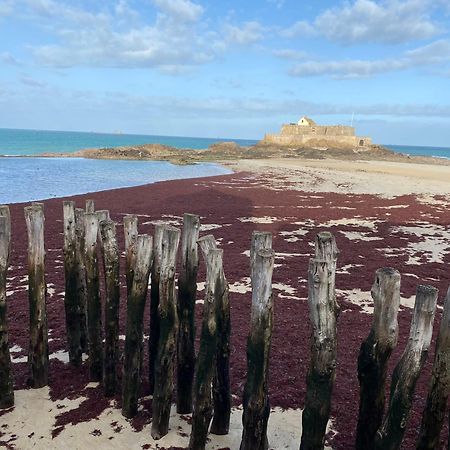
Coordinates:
(30, 179)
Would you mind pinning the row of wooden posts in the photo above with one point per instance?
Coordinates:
(203, 382)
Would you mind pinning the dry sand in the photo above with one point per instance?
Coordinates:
(384, 178)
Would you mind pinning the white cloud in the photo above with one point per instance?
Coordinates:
(370, 21)
(32, 82)
(6, 7)
(244, 34)
(183, 10)
(299, 29)
(427, 56)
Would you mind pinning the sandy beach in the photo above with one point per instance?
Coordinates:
(382, 213)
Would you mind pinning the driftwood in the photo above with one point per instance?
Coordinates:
(187, 292)
(134, 330)
(374, 355)
(407, 371)
(6, 378)
(436, 406)
(256, 399)
(81, 277)
(37, 292)
(168, 323)
(323, 316)
(94, 307)
(71, 298)
(221, 384)
(154, 303)
(111, 256)
(204, 372)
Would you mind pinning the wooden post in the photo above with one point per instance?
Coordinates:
(6, 378)
(37, 292)
(90, 206)
(260, 240)
(323, 316)
(221, 383)
(81, 277)
(204, 372)
(407, 371)
(154, 303)
(130, 229)
(111, 258)
(256, 399)
(71, 299)
(436, 407)
(94, 307)
(134, 330)
(168, 323)
(374, 355)
(187, 293)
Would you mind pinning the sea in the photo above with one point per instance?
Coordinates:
(36, 178)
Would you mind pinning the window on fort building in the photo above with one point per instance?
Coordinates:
(313, 130)
(361, 142)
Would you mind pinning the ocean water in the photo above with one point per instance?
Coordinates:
(30, 179)
(32, 142)
(440, 152)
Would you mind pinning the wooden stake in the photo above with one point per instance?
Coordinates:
(71, 299)
(323, 316)
(94, 307)
(187, 293)
(256, 399)
(37, 292)
(90, 206)
(81, 277)
(374, 355)
(134, 331)
(168, 323)
(111, 258)
(204, 372)
(260, 240)
(407, 371)
(6, 378)
(130, 229)
(221, 384)
(154, 303)
(436, 407)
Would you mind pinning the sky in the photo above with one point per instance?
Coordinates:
(229, 68)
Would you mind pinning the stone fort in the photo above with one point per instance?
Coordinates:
(306, 131)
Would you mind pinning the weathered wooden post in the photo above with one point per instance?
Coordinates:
(134, 330)
(130, 229)
(90, 206)
(111, 258)
(37, 292)
(71, 299)
(168, 324)
(256, 399)
(407, 371)
(81, 276)
(205, 367)
(154, 303)
(6, 378)
(436, 407)
(260, 240)
(374, 355)
(94, 307)
(221, 383)
(187, 292)
(323, 316)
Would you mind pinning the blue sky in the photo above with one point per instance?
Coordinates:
(227, 68)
